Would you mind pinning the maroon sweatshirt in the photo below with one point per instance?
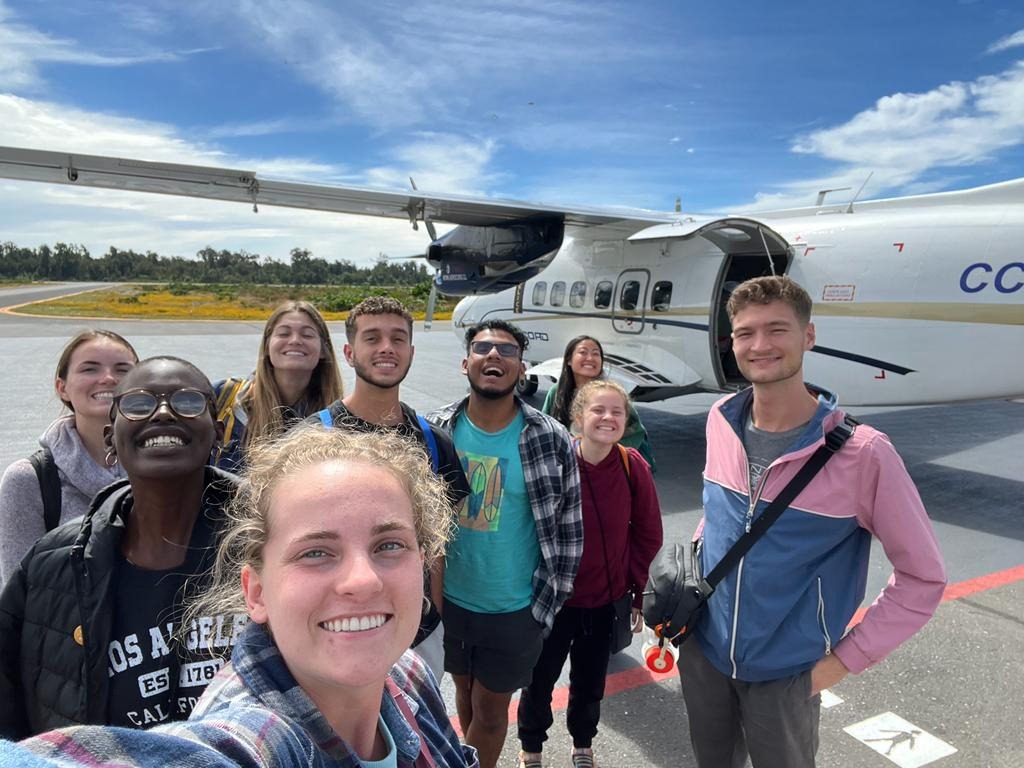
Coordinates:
(625, 510)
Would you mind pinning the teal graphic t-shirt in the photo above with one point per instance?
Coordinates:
(490, 563)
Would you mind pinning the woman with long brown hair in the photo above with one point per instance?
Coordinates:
(584, 362)
(296, 375)
(57, 482)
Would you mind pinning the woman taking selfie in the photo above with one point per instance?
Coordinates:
(296, 375)
(325, 550)
(90, 620)
(583, 361)
(58, 481)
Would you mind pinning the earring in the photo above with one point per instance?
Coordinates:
(110, 459)
(426, 605)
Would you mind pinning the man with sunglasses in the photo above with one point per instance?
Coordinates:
(520, 537)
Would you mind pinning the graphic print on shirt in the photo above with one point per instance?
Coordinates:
(486, 476)
(155, 677)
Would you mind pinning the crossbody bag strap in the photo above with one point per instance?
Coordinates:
(424, 759)
(834, 440)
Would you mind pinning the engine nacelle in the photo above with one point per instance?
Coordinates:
(472, 260)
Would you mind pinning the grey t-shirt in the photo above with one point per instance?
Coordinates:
(765, 447)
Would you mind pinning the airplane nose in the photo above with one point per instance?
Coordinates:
(462, 315)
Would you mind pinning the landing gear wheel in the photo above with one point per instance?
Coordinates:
(526, 386)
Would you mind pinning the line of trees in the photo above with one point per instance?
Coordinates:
(73, 262)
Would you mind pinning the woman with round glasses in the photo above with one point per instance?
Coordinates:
(58, 481)
(584, 362)
(90, 621)
(296, 376)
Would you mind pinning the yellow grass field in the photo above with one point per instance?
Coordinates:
(195, 302)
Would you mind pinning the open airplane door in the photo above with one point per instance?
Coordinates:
(749, 249)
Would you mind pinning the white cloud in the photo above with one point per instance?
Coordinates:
(906, 135)
(1005, 43)
(40, 213)
(438, 162)
(413, 62)
(23, 49)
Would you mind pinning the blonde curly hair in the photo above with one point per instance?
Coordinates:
(270, 461)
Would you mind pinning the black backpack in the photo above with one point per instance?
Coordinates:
(49, 486)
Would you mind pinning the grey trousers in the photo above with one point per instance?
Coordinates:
(776, 722)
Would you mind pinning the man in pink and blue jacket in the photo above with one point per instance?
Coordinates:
(773, 635)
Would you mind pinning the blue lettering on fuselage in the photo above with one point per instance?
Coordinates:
(974, 278)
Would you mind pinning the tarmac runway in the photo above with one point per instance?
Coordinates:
(959, 682)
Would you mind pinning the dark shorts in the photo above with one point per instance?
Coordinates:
(498, 649)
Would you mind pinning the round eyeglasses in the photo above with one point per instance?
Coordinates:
(140, 404)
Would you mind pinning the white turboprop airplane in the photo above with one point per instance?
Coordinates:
(917, 299)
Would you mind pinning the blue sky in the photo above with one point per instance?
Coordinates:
(730, 105)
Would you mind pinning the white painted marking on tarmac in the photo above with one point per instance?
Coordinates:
(829, 699)
(900, 741)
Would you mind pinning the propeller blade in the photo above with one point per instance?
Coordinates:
(428, 320)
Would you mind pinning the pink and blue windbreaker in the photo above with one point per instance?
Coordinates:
(789, 601)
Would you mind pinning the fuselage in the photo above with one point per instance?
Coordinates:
(916, 304)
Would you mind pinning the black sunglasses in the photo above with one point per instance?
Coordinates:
(140, 404)
(505, 348)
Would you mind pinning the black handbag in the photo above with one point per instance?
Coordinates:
(677, 592)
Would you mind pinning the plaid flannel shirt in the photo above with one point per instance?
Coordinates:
(253, 714)
(553, 486)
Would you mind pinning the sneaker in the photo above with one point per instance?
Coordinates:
(530, 760)
(583, 757)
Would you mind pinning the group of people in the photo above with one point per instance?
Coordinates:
(271, 571)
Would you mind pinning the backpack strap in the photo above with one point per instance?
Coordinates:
(428, 436)
(226, 406)
(49, 486)
(325, 417)
(624, 455)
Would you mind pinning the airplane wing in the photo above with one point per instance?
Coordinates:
(246, 187)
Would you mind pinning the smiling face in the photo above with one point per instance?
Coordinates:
(294, 344)
(586, 362)
(381, 349)
(164, 445)
(603, 419)
(769, 342)
(341, 580)
(94, 369)
(490, 375)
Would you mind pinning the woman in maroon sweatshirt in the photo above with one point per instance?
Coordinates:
(621, 534)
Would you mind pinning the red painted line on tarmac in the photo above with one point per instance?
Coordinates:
(637, 677)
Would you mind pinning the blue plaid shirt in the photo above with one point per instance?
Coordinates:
(254, 715)
(553, 486)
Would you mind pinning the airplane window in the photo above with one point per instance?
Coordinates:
(557, 294)
(661, 296)
(603, 295)
(577, 294)
(630, 294)
(540, 290)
